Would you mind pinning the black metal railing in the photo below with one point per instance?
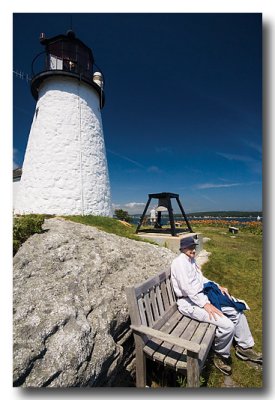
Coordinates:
(45, 61)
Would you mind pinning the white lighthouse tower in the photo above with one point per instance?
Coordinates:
(65, 169)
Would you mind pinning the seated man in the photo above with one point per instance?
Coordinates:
(190, 287)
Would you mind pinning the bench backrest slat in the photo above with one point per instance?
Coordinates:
(154, 303)
(148, 310)
(142, 311)
(165, 298)
(153, 298)
(170, 291)
(159, 300)
(149, 283)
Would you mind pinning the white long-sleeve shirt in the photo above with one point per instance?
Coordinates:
(188, 280)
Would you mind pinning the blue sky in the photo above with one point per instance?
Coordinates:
(183, 102)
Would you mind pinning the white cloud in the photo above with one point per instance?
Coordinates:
(133, 205)
(236, 157)
(216, 185)
(126, 158)
(224, 185)
(251, 163)
(131, 208)
(115, 206)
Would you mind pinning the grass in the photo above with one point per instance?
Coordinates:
(109, 225)
(26, 225)
(236, 263)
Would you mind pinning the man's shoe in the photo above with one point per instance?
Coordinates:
(222, 364)
(249, 354)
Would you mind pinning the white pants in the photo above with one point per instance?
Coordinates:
(231, 325)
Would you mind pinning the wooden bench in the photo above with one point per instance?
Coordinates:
(233, 230)
(163, 334)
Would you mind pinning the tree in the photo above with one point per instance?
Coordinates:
(123, 215)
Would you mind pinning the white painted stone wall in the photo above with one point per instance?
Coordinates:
(65, 169)
(15, 189)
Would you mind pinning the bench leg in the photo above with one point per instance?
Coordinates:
(193, 372)
(140, 363)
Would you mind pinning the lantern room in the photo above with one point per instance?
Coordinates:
(66, 55)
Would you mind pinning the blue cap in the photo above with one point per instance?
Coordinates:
(188, 242)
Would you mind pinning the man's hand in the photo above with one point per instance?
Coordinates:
(224, 290)
(212, 311)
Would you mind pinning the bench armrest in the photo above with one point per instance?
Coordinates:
(165, 337)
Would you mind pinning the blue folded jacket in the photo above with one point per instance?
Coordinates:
(219, 300)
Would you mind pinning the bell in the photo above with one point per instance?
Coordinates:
(161, 208)
(163, 202)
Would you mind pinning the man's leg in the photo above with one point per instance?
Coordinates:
(223, 337)
(224, 332)
(243, 336)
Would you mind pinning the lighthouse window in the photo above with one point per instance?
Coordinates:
(55, 62)
(36, 112)
(84, 60)
(68, 55)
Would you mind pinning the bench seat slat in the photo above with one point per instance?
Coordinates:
(153, 344)
(178, 353)
(166, 316)
(204, 335)
(197, 337)
(165, 347)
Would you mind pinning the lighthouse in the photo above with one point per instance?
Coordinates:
(65, 169)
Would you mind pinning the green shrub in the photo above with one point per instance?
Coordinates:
(25, 226)
(123, 215)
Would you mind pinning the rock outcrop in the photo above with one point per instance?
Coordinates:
(71, 323)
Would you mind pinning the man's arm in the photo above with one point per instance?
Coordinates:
(184, 284)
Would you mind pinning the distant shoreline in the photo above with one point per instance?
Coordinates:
(223, 214)
(238, 214)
